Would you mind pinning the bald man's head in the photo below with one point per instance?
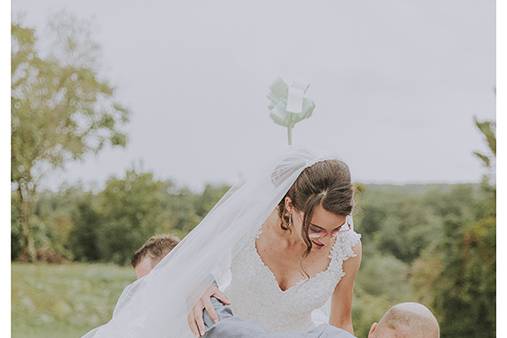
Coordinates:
(412, 320)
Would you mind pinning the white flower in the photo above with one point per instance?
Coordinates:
(281, 96)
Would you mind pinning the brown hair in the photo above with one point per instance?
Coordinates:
(325, 183)
(156, 247)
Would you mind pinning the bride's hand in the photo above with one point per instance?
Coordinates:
(195, 317)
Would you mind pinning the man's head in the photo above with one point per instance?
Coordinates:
(152, 252)
(412, 320)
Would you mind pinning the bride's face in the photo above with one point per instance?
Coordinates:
(323, 227)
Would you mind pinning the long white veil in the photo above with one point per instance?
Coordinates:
(158, 304)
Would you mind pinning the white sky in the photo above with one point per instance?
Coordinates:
(396, 83)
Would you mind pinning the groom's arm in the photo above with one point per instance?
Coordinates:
(222, 311)
(231, 326)
(228, 325)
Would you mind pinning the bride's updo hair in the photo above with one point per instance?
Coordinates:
(327, 183)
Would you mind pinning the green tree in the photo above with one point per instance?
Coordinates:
(130, 210)
(407, 230)
(381, 282)
(488, 130)
(209, 197)
(458, 275)
(397, 221)
(182, 206)
(61, 111)
(53, 222)
(16, 240)
(83, 237)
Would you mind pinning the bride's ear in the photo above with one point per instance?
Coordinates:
(288, 204)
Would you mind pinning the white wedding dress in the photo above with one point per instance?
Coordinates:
(255, 294)
(222, 247)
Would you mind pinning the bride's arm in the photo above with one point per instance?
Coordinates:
(341, 303)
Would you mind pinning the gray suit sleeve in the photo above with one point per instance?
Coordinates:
(231, 326)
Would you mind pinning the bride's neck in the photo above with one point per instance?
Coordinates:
(290, 239)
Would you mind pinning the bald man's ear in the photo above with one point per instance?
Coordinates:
(373, 328)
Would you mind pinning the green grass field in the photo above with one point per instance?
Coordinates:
(64, 300)
(68, 300)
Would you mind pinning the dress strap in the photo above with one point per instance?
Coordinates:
(343, 246)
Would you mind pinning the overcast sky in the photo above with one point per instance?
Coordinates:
(396, 83)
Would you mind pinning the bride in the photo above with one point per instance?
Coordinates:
(279, 247)
(298, 259)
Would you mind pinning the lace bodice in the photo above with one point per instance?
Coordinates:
(256, 295)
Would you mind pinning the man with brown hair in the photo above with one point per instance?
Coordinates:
(143, 261)
(151, 253)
